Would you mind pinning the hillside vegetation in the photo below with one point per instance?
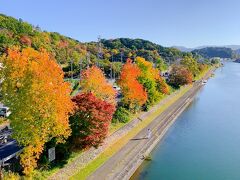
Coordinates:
(64, 49)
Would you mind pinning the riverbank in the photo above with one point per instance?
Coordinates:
(123, 164)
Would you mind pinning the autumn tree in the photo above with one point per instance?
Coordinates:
(91, 120)
(133, 92)
(152, 81)
(162, 86)
(25, 40)
(191, 64)
(34, 89)
(179, 76)
(94, 81)
(203, 67)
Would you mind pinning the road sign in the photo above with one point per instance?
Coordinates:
(51, 154)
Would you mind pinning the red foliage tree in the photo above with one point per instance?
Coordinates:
(91, 120)
(25, 40)
(180, 75)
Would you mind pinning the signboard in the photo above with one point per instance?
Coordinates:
(51, 154)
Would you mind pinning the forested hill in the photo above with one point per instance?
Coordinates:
(15, 32)
(210, 52)
(144, 48)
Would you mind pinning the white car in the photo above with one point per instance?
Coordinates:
(117, 88)
(204, 82)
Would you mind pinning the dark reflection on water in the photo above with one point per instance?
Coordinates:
(204, 143)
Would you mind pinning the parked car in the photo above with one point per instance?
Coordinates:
(4, 112)
(204, 82)
(117, 88)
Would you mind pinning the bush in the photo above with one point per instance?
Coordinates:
(121, 115)
(11, 176)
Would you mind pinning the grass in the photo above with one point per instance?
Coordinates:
(44, 174)
(111, 150)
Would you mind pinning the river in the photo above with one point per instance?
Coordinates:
(204, 142)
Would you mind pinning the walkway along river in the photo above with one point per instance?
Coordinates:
(204, 142)
(125, 162)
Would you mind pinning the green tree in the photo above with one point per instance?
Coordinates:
(161, 64)
(191, 64)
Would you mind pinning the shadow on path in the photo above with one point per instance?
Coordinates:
(136, 139)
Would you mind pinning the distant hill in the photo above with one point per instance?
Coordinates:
(210, 52)
(183, 49)
(143, 48)
(233, 47)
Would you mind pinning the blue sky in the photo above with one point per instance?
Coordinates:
(189, 23)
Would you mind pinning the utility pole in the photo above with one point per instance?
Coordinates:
(71, 68)
(114, 72)
(112, 67)
(88, 59)
(122, 57)
(99, 46)
(80, 67)
(150, 59)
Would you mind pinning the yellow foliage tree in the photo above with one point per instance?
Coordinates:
(152, 81)
(34, 89)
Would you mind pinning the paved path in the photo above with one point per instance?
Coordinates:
(124, 163)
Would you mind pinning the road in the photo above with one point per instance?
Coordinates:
(124, 163)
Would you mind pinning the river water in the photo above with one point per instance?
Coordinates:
(204, 142)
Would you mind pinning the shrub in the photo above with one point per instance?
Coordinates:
(121, 115)
(11, 176)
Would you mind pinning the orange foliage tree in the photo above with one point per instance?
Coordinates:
(94, 81)
(133, 92)
(39, 100)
